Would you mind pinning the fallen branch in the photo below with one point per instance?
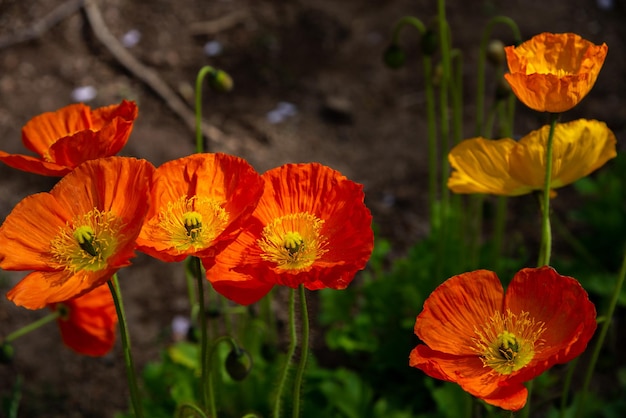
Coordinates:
(41, 26)
(146, 74)
(211, 27)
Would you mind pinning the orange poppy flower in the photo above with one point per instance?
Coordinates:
(510, 168)
(79, 234)
(198, 205)
(310, 227)
(490, 343)
(553, 72)
(72, 135)
(88, 323)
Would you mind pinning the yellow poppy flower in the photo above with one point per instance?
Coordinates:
(554, 72)
(510, 168)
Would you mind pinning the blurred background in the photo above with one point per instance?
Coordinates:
(309, 85)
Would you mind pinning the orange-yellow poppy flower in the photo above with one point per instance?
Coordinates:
(78, 235)
(198, 205)
(71, 135)
(88, 323)
(490, 343)
(510, 168)
(310, 227)
(553, 72)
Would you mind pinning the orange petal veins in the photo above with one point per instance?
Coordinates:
(454, 309)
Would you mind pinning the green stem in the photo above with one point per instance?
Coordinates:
(567, 385)
(304, 353)
(204, 71)
(130, 368)
(208, 365)
(31, 327)
(432, 139)
(290, 353)
(183, 411)
(204, 339)
(191, 291)
(480, 82)
(600, 341)
(546, 232)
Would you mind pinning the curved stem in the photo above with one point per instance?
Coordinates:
(181, 411)
(600, 341)
(546, 232)
(480, 82)
(404, 21)
(304, 353)
(204, 71)
(208, 366)
(130, 368)
(290, 353)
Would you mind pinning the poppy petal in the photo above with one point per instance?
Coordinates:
(561, 304)
(482, 166)
(454, 309)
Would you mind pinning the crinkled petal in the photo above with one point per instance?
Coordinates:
(453, 311)
(482, 166)
(562, 305)
(579, 148)
(469, 373)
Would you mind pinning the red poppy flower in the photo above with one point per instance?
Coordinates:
(88, 323)
(310, 227)
(72, 135)
(490, 343)
(79, 234)
(198, 205)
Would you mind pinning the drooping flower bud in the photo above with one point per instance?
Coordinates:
(221, 81)
(495, 53)
(394, 57)
(238, 364)
(7, 353)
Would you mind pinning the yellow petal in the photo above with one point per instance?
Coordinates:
(579, 148)
(482, 166)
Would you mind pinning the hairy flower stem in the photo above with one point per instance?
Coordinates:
(208, 366)
(304, 353)
(546, 231)
(290, 353)
(600, 341)
(130, 368)
(204, 339)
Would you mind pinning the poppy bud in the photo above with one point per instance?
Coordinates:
(6, 353)
(495, 52)
(503, 89)
(238, 364)
(221, 81)
(429, 42)
(394, 57)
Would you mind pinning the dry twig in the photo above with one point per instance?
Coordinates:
(41, 26)
(146, 74)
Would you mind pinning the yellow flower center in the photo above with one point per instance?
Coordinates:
(86, 242)
(508, 342)
(192, 222)
(293, 242)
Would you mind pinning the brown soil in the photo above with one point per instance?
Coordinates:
(323, 56)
